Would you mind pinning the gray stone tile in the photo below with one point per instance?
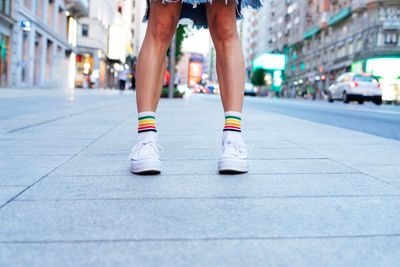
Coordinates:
(25, 169)
(206, 186)
(204, 154)
(14, 162)
(374, 251)
(390, 174)
(198, 218)
(22, 176)
(37, 143)
(40, 150)
(120, 164)
(8, 192)
(360, 155)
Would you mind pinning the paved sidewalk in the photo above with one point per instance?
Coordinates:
(316, 195)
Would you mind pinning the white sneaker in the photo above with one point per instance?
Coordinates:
(145, 155)
(234, 154)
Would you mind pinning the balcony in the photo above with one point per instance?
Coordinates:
(340, 16)
(78, 8)
(309, 34)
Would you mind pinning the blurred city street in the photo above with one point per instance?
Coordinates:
(321, 80)
(317, 193)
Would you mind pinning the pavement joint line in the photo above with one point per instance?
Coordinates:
(214, 158)
(64, 161)
(208, 174)
(250, 159)
(216, 175)
(59, 118)
(204, 198)
(352, 168)
(202, 239)
(177, 150)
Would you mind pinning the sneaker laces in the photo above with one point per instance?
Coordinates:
(235, 147)
(149, 148)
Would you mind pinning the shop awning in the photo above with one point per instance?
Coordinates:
(308, 34)
(338, 17)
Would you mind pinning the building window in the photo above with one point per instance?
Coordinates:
(85, 30)
(60, 20)
(27, 3)
(341, 51)
(359, 45)
(350, 48)
(38, 8)
(5, 7)
(50, 11)
(391, 38)
(49, 59)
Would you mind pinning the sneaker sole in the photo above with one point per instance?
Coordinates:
(146, 166)
(233, 166)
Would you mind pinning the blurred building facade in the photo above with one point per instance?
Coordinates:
(248, 29)
(183, 67)
(43, 38)
(254, 32)
(7, 21)
(108, 41)
(210, 62)
(324, 38)
(68, 43)
(92, 43)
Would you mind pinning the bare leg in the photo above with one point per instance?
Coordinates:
(151, 65)
(221, 19)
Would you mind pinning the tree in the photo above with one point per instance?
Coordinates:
(258, 78)
(182, 32)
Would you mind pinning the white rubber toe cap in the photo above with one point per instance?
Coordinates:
(232, 165)
(146, 166)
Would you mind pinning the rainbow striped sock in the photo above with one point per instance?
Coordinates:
(147, 122)
(233, 121)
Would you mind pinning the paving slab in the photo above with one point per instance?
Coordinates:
(390, 174)
(373, 251)
(207, 186)
(83, 220)
(8, 192)
(120, 164)
(379, 155)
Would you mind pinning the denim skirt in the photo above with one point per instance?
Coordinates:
(195, 10)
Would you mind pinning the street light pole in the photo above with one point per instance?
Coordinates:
(172, 68)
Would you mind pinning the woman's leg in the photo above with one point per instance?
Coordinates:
(221, 19)
(145, 156)
(151, 65)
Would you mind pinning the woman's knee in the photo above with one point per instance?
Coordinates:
(223, 27)
(163, 27)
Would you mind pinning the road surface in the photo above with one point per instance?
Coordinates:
(369, 118)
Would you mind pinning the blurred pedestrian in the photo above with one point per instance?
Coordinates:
(177, 78)
(123, 76)
(220, 17)
(133, 80)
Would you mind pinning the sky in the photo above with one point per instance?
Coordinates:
(198, 42)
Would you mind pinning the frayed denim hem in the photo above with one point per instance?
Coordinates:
(195, 10)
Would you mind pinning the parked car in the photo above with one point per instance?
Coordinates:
(250, 89)
(356, 87)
